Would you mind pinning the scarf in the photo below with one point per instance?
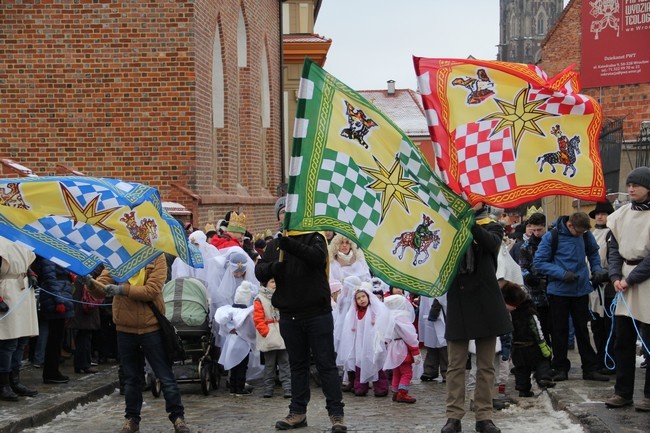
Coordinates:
(600, 226)
(345, 259)
(266, 292)
(641, 205)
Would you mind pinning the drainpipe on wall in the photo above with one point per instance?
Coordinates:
(281, 93)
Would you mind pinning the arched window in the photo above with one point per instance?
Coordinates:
(218, 99)
(242, 46)
(265, 90)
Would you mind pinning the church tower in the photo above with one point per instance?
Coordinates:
(523, 25)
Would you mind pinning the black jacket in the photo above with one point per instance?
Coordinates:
(302, 286)
(56, 288)
(475, 306)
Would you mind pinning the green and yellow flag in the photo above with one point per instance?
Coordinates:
(355, 172)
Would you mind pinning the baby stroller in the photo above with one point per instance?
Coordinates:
(186, 307)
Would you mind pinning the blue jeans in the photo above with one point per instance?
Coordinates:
(314, 335)
(151, 345)
(11, 354)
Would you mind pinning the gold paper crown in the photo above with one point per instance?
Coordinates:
(531, 210)
(237, 223)
(209, 227)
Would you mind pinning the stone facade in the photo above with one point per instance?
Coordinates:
(523, 26)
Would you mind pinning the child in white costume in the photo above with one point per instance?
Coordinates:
(237, 331)
(343, 301)
(403, 348)
(270, 342)
(362, 347)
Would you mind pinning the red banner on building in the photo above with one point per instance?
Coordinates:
(615, 42)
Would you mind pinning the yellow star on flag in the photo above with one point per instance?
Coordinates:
(87, 214)
(521, 116)
(391, 185)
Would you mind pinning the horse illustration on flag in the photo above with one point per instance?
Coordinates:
(488, 143)
(81, 222)
(353, 171)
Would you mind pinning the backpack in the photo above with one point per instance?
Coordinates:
(554, 239)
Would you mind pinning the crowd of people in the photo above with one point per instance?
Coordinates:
(291, 307)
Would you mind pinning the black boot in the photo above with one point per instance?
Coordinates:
(6, 393)
(452, 426)
(19, 388)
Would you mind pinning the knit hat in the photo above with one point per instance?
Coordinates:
(280, 204)
(237, 223)
(602, 206)
(513, 294)
(243, 294)
(640, 176)
(335, 286)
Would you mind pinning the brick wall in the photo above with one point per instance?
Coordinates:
(119, 88)
(562, 49)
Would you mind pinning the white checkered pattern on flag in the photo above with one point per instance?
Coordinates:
(561, 103)
(486, 163)
(341, 191)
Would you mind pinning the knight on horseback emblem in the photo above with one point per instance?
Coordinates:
(568, 149)
(419, 240)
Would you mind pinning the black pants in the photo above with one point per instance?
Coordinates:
(238, 376)
(625, 350)
(53, 348)
(529, 360)
(577, 307)
(601, 328)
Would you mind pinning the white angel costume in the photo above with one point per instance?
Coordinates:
(362, 342)
(342, 305)
(432, 332)
(237, 330)
(401, 332)
(226, 272)
(208, 251)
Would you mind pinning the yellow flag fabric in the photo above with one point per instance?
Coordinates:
(80, 222)
(506, 134)
(355, 172)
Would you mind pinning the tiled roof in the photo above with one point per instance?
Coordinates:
(404, 108)
(305, 37)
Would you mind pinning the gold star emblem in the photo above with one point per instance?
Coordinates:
(87, 214)
(520, 116)
(391, 185)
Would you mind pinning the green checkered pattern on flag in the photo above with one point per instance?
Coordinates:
(355, 172)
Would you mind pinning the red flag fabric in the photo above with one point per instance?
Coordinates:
(505, 134)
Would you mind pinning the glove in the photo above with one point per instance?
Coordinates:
(417, 359)
(113, 290)
(60, 309)
(3, 306)
(599, 277)
(84, 279)
(570, 277)
(531, 280)
(283, 242)
(546, 351)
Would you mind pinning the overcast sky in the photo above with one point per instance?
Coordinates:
(373, 41)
